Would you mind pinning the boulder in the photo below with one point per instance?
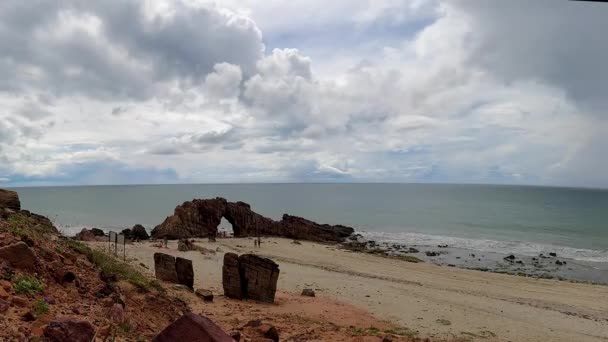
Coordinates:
(98, 232)
(185, 272)
(308, 292)
(431, 254)
(201, 218)
(164, 267)
(193, 328)
(231, 277)
(138, 232)
(250, 277)
(269, 332)
(85, 235)
(9, 200)
(67, 329)
(205, 295)
(117, 314)
(4, 305)
(19, 255)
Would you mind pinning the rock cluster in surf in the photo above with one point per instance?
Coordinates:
(201, 218)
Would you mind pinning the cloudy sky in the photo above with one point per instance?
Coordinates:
(172, 91)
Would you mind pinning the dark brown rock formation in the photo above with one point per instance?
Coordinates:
(185, 272)
(67, 329)
(249, 277)
(19, 255)
(174, 270)
(200, 218)
(164, 267)
(193, 328)
(85, 235)
(231, 276)
(9, 200)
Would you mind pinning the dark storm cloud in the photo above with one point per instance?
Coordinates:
(560, 42)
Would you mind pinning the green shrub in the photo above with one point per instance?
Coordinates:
(40, 308)
(28, 284)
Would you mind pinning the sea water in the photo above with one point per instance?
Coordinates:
(505, 219)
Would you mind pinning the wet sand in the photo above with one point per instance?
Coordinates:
(436, 301)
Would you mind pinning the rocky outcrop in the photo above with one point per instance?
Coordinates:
(174, 270)
(201, 217)
(185, 272)
(231, 276)
(9, 202)
(68, 329)
(19, 255)
(164, 267)
(249, 277)
(193, 328)
(85, 235)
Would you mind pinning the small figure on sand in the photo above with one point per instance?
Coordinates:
(165, 243)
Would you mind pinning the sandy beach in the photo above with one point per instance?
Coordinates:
(434, 301)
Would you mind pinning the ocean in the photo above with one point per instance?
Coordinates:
(522, 220)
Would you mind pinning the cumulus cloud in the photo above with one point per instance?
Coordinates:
(404, 91)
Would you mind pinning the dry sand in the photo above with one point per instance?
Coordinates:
(436, 301)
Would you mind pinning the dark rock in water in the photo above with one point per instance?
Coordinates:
(442, 246)
(308, 292)
(97, 232)
(519, 262)
(472, 255)
(185, 272)
(193, 328)
(451, 265)
(553, 254)
(68, 329)
(413, 250)
(19, 255)
(510, 257)
(557, 262)
(200, 218)
(138, 232)
(249, 277)
(205, 295)
(431, 254)
(164, 267)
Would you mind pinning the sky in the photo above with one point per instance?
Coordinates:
(245, 91)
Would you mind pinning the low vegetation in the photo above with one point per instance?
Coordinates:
(109, 264)
(40, 308)
(28, 285)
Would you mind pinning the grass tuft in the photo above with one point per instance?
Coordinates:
(28, 284)
(40, 308)
(111, 265)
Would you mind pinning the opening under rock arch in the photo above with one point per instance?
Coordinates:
(225, 226)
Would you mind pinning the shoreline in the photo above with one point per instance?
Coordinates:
(435, 301)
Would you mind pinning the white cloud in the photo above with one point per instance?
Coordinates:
(413, 91)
